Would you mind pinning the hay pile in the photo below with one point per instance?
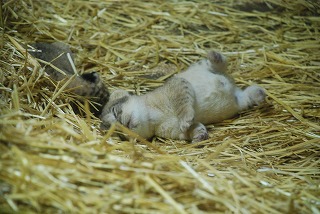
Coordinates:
(264, 161)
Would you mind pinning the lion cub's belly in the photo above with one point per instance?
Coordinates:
(214, 95)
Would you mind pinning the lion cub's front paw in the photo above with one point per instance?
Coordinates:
(199, 133)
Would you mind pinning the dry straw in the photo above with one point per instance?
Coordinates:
(266, 160)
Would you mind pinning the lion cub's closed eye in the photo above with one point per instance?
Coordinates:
(201, 95)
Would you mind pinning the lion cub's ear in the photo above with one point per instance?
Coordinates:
(119, 93)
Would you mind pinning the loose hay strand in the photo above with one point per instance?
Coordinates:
(56, 94)
(164, 193)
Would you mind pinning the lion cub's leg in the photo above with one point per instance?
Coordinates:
(218, 61)
(183, 99)
(252, 95)
(169, 129)
(177, 107)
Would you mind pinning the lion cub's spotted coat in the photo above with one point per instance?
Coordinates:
(202, 94)
(88, 84)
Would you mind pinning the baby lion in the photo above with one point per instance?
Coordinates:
(203, 94)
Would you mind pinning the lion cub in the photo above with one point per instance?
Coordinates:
(88, 85)
(203, 94)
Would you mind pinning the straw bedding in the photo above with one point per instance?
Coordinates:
(265, 160)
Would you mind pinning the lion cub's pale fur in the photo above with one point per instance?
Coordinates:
(202, 94)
